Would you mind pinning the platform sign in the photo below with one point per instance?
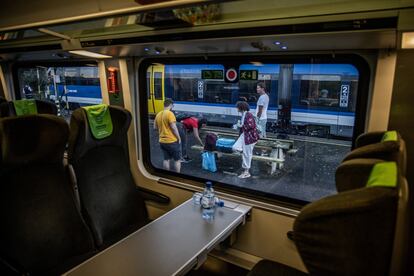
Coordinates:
(200, 86)
(343, 101)
(249, 74)
(212, 74)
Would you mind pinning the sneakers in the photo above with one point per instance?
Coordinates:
(244, 174)
(185, 160)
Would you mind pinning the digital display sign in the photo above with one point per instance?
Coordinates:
(248, 74)
(212, 74)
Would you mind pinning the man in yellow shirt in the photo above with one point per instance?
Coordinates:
(169, 136)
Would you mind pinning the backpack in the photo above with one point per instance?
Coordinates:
(182, 116)
(210, 142)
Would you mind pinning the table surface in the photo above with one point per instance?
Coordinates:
(170, 245)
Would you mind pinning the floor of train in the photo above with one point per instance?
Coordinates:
(216, 267)
(307, 175)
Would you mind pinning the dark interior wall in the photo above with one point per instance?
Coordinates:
(1, 90)
(402, 119)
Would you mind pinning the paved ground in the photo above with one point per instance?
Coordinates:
(307, 175)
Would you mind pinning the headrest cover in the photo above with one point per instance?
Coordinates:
(99, 120)
(32, 138)
(25, 107)
(389, 136)
(384, 175)
(81, 139)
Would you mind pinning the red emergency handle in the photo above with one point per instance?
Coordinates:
(113, 86)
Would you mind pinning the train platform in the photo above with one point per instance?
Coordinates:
(307, 174)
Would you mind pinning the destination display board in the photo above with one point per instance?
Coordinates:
(212, 74)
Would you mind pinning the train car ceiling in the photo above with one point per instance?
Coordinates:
(323, 28)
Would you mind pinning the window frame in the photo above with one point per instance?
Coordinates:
(231, 61)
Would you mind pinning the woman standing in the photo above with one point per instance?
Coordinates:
(249, 131)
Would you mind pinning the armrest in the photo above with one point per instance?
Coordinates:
(153, 196)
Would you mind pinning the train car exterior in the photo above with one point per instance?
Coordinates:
(322, 95)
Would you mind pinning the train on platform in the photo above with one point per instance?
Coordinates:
(322, 97)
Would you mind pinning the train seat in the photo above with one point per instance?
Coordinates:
(42, 231)
(25, 107)
(385, 145)
(355, 232)
(111, 201)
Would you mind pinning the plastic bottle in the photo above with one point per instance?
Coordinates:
(208, 202)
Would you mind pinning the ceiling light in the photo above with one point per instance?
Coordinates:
(284, 47)
(89, 54)
(407, 40)
(276, 42)
(256, 63)
(146, 49)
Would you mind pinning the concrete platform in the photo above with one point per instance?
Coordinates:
(307, 175)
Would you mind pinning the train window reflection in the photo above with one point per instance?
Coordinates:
(304, 115)
(68, 87)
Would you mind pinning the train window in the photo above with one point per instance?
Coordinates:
(306, 131)
(158, 86)
(69, 87)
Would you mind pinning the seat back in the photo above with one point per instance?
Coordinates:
(109, 197)
(358, 231)
(19, 107)
(384, 145)
(41, 229)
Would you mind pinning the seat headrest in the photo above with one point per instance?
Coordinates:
(357, 173)
(32, 138)
(81, 138)
(387, 146)
(25, 107)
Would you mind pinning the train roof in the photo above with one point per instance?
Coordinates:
(316, 69)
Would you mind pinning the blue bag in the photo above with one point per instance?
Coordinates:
(225, 144)
(209, 161)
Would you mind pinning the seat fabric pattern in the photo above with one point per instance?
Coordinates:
(109, 197)
(42, 231)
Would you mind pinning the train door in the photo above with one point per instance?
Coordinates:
(155, 81)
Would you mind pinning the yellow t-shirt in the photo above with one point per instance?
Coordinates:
(163, 121)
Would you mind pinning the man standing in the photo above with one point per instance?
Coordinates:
(169, 137)
(261, 109)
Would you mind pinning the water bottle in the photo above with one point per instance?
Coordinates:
(208, 202)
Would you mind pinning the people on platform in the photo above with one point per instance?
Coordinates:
(186, 126)
(169, 137)
(261, 109)
(250, 137)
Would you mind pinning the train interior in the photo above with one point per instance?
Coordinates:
(337, 77)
